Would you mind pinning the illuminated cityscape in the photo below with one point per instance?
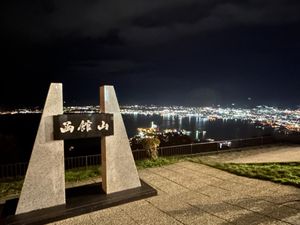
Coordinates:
(285, 119)
(263, 115)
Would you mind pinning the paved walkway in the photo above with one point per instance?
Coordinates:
(191, 193)
(276, 153)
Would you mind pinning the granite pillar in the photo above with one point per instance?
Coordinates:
(118, 167)
(44, 184)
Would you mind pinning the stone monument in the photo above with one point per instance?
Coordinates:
(43, 197)
(44, 184)
(118, 168)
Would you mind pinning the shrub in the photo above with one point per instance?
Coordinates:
(150, 145)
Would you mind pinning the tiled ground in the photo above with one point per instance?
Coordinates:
(191, 193)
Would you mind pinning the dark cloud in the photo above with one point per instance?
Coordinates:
(116, 66)
(139, 20)
(172, 51)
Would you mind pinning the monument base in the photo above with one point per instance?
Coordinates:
(80, 200)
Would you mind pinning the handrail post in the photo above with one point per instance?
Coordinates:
(86, 161)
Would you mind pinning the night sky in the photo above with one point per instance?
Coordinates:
(177, 52)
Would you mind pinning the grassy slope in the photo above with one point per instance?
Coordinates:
(10, 186)
(284, 173)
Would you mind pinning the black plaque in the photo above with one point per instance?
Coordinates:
(75, 126)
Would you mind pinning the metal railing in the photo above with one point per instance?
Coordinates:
(82, 161)
(19, 169)
(13, 170)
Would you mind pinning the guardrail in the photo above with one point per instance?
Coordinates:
(82, 161)
(19, 169)
(216, 146)
(13, 170)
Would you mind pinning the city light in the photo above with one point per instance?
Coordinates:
(283, 119)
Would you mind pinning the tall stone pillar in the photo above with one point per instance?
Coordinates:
(44, 184)
(118, 168)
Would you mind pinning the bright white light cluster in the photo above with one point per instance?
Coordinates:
(264, 115)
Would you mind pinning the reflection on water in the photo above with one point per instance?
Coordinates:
(200, 127)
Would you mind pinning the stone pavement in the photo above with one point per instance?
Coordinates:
(190, 193)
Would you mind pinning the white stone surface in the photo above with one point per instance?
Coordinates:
(44, 184)
(118, 168)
